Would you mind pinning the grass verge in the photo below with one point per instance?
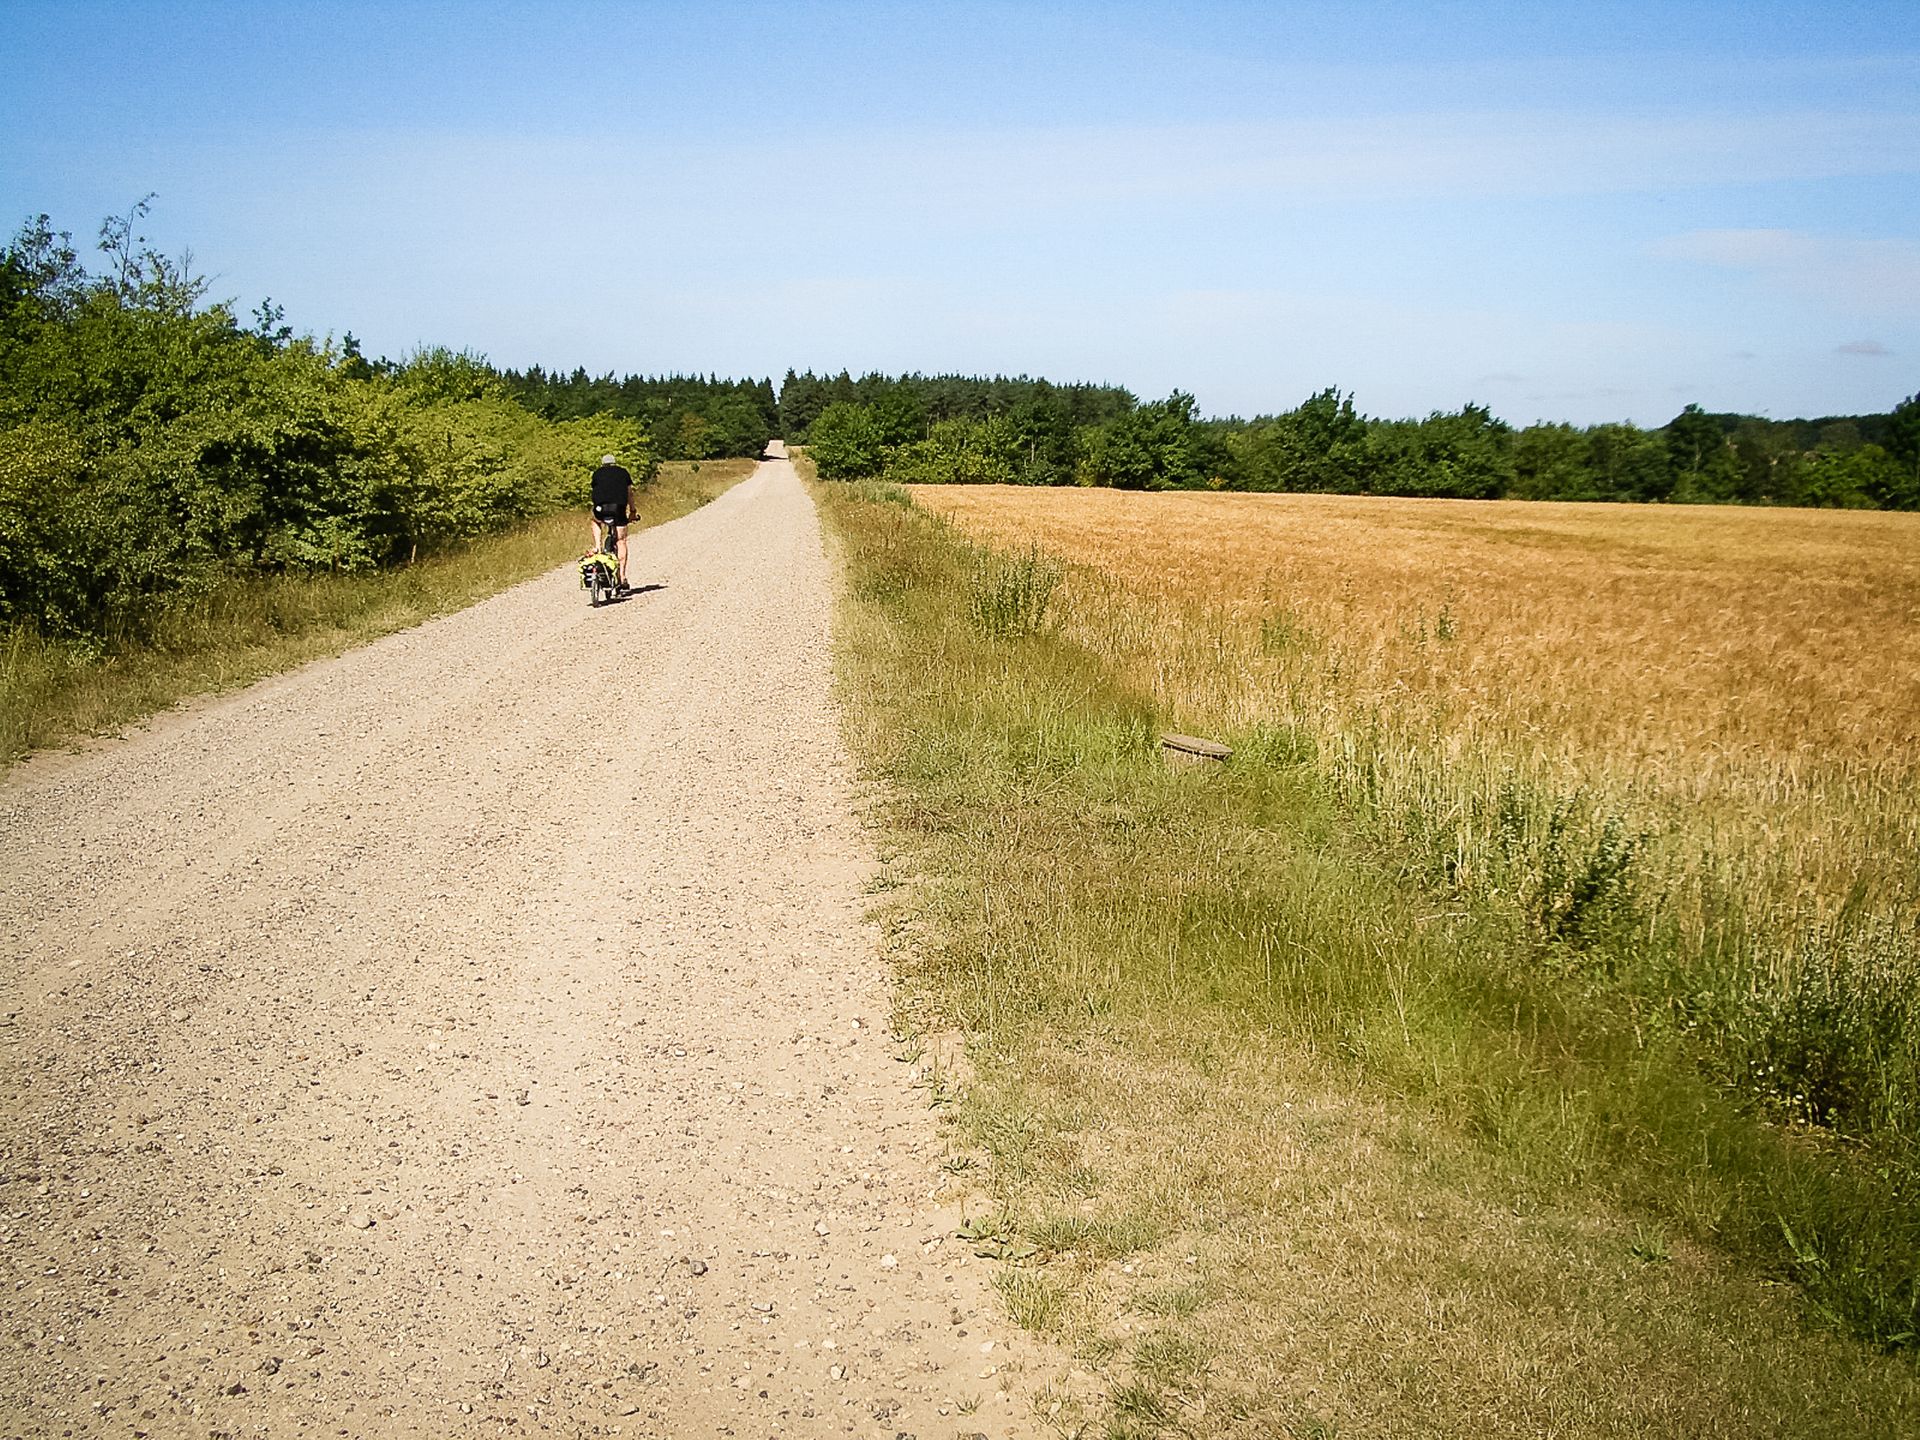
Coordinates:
(1284, 1141)
(53, 691)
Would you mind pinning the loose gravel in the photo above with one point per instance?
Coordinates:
(479, 1034)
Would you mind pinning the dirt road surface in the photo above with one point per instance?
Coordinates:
(479, 1034)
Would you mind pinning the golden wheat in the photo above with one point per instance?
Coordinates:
(1633, 631)
(1745, 680)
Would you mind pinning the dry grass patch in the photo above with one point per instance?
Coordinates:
(1346, 1267)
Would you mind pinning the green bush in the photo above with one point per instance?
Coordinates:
(959, 452)
(151, 445)
(846, 442)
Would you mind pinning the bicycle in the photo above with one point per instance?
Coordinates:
(600, 570)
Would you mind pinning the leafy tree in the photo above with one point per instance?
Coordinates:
(1837, 435)
(1554, 462)
(269, 325)
(1043, 439)
(1465, 454)
(50, 573)
(846, 442)
(960, 452)
(1903, 448)
(1859, 478)
(41, 277)
(693, 437)
(1151, 447)
(1768, 462)
(1319, 446)
(353, 364)
(1629, 463)
(901, 415)
(1704, 468)
(433, 374)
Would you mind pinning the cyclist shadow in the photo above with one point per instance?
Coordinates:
(632, 591)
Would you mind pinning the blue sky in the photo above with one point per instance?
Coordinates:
(1585, 215)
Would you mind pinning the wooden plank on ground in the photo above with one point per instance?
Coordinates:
(1194, 745)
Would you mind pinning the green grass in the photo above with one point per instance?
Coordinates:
(1283, 1135)
(52, 692)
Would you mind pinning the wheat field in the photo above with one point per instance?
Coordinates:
(1617, 635)
(1717, 707)
(1476, 1051)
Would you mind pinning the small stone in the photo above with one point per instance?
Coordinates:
(889, 1262)
(542, 1360)
(360, 1220)
(820, 1227)
(765, 1307)
(179, 1016)
(698, 1267)
(520, 1097)
(838, 1372)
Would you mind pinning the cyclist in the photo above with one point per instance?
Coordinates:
(612, 505)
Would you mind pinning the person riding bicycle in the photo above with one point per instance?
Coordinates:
(612, 492)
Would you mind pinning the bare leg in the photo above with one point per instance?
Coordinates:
(621, 547)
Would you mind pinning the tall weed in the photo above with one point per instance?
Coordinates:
(1008, 595)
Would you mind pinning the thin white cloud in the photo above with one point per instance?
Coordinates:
(1872, 276)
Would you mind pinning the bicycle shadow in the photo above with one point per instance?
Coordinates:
(629, 593)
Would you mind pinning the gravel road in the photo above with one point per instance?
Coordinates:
(479, 1034)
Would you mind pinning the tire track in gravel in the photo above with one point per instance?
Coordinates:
(478, 1034)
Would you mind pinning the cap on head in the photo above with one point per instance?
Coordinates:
(609, 459)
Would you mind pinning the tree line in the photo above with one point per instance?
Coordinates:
(689, 417)
(948, 428)
(153, 444)
(960, 430)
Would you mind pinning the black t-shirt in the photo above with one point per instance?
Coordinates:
(612, 486)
